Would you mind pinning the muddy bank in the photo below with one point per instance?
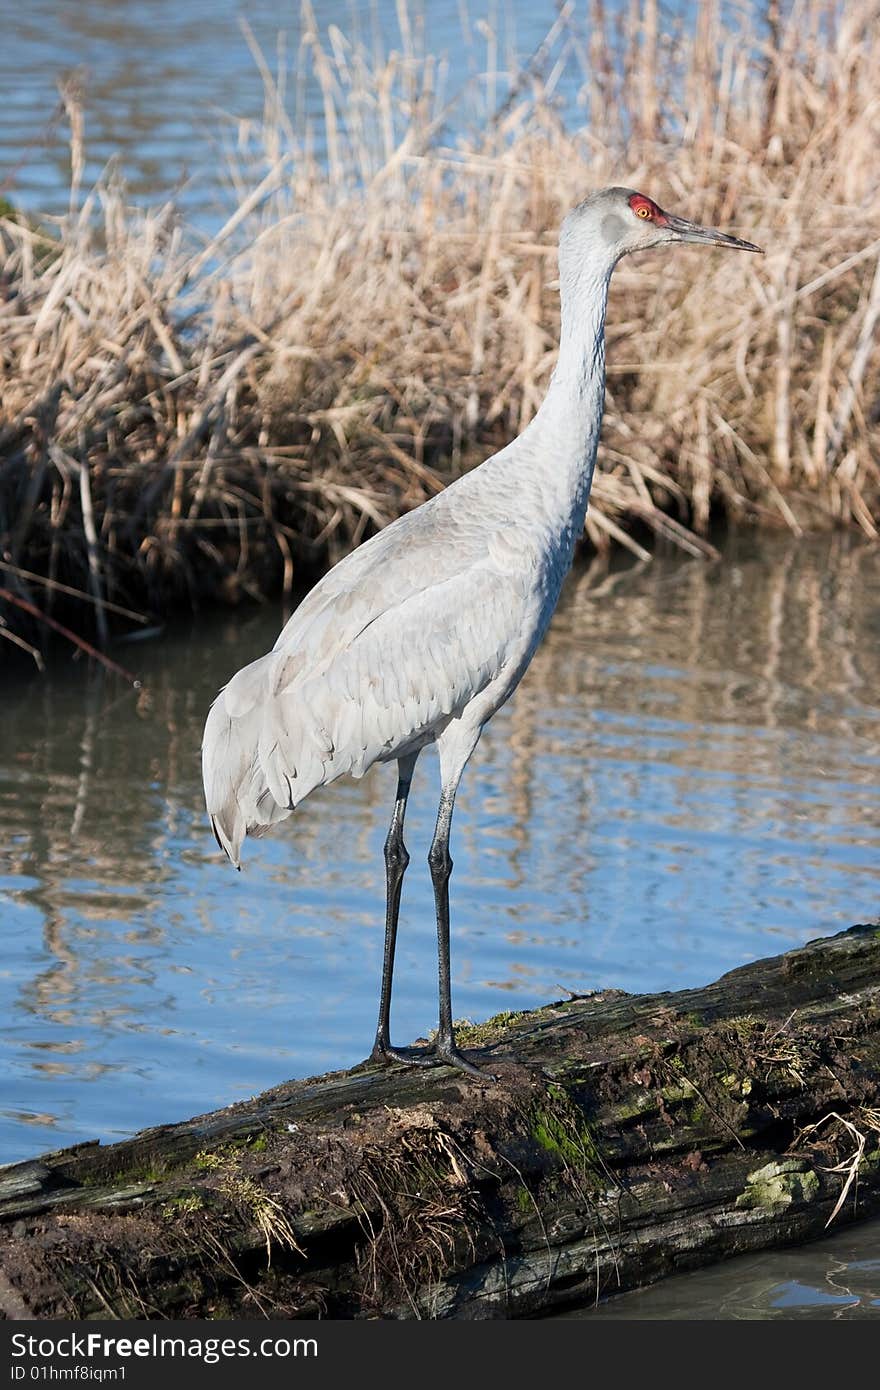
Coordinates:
(626, 1137)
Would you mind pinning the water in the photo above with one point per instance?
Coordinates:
(832, 1279)
(685, 781)
(167, 83)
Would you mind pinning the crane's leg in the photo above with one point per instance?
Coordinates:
(455, 747)
(440, 862)
(396, 860)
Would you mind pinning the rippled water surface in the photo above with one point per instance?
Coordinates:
(836, 1279)
(686, 780)
(167, 84)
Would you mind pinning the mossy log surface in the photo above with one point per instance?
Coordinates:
(626, 1138)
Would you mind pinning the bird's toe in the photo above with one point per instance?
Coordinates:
(452, 1057)
(408, 1056)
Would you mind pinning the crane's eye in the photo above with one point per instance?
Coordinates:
(643, 211)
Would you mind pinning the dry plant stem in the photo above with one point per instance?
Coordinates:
(43, 618)
(867, 344)
(378, 309)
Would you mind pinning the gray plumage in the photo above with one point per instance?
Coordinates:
(425, 630)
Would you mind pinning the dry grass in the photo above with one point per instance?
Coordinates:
(380, 311)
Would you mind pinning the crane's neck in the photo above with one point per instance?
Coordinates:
(564, 434)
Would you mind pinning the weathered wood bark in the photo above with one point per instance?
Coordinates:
(630, 1137)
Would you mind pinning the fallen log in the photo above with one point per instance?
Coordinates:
(626, 1138)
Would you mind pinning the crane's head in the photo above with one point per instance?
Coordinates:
(611, 223)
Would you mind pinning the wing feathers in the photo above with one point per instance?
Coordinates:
(351, 682)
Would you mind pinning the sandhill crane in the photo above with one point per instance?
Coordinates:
(424, 631)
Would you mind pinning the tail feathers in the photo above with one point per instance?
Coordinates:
(225, 766)
(234, 787)
(260, 757)
(266, 746)
(227, 845)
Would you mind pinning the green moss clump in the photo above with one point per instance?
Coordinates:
(474, 1034)
(208, 1162)
(560, 1128)
(182, 1205)
(739, 1086)
(778, 1184)
(525, 1202)
(744, 1026)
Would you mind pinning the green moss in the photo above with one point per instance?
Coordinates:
(474, 1034)
(208, 1162)
(560, 1128)
(633, 1107)
(740, 1086)
(128, 1177)
(125, 1177)
(778, 1184)
(183, 1204)
(698, 1113)
(674, 1095)
(525, 1202)
(744, 1025)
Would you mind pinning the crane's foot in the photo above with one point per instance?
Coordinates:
(449, 1055)
(410, 1056)
(442, 1053)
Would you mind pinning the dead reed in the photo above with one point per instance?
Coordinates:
(379, 311)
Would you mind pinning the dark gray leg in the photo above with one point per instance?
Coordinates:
(440, 863)
(454, 753)
(396, 860)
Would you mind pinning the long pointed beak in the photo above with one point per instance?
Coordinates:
(692, 231)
